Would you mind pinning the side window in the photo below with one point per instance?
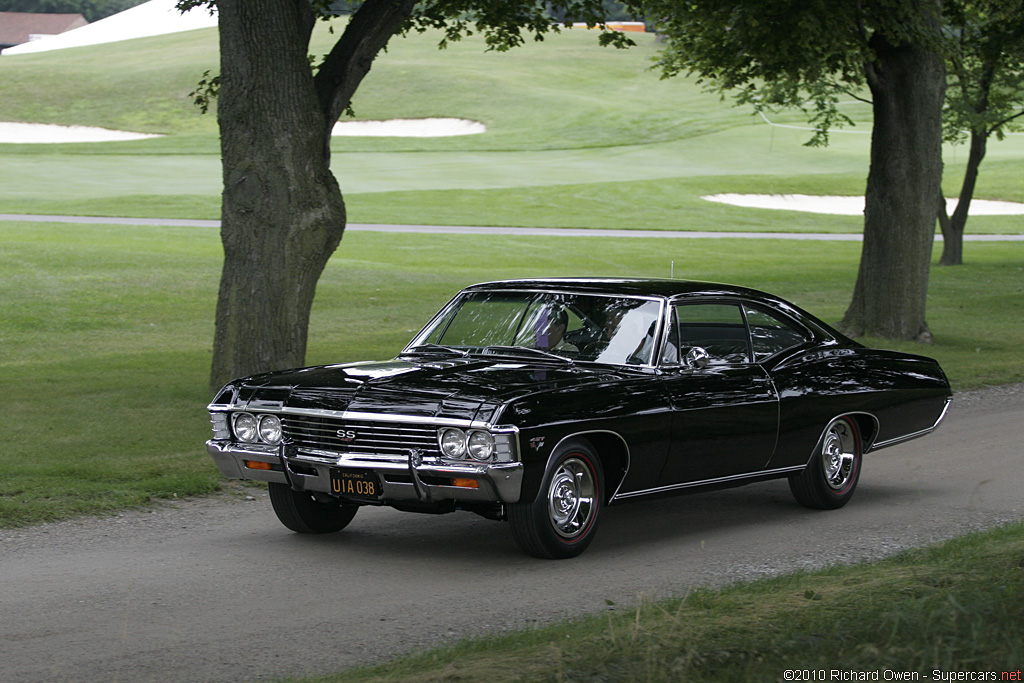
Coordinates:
(771, 335)
(717, 328)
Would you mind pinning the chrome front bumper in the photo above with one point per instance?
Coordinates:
(412, 479)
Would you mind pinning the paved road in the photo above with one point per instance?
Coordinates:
(478, 230)
(218, 590)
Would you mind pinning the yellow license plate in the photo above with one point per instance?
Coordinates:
(355, 484)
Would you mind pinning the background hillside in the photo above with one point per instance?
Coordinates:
(570, 124)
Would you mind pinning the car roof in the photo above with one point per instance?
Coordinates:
(677, 290)
(628, 287)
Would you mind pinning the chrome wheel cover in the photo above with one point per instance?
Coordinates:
(838, 455)
(572, 498)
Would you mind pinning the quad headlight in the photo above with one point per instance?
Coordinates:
(246, 427)
(480, 445)
(270, 429)
(453, 443)
(249, 428)
(457, 444)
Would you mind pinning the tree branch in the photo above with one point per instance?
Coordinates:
(367, 33)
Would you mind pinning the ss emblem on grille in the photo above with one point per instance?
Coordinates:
(346, 434)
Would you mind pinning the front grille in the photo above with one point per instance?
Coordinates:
(370, 438)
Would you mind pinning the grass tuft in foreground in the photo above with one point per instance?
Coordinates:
(920, 615)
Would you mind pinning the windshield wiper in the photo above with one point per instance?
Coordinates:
(433, 348)
(537, 352)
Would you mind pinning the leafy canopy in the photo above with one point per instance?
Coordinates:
(776, 54)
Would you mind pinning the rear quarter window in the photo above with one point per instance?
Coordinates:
(770, 335)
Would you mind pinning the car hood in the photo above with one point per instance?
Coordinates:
(464, 388)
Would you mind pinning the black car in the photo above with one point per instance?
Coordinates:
(539, 402)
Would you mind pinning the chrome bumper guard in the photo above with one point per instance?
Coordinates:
(414, 478)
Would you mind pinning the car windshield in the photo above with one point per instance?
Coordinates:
(577, 327)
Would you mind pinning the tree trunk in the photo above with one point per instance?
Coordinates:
(907, 84)
(953, 235)
(282, 214)
(282, 211)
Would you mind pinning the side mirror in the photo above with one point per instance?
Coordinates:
(697, 358)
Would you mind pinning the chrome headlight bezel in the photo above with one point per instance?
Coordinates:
(476, 445)
(257, 428)
(245, 427)
(452, 442)
(270, 429)
(480, 445)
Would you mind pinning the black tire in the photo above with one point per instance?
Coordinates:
(831, 476)
(304, 514)
(562, 520)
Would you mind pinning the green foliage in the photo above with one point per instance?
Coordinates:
(503, 24)
(985, 57)
(205, 92)
(776, 54)
(806, 56)
(613, 11)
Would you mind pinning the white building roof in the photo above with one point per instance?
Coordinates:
(152, 18)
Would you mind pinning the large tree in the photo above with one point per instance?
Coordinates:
(282, 214)
(786, 53)
(985, 57)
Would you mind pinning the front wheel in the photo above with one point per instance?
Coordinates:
(562, 521)
(831, 476)
(304, 514)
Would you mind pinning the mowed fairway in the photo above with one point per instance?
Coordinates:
(577, 136)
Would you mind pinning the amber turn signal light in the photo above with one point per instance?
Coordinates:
(466, 483)
(256, 465)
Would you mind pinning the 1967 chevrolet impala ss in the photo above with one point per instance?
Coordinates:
(540, 402)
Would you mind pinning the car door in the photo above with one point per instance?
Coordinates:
(724, 415)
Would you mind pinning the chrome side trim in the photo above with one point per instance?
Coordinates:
(708, 482)
(915, 435)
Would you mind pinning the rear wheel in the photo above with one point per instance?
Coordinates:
(304, 514)
(562, 521)
(831, 476)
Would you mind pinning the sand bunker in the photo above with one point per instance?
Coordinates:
(847, 206)
(409, 128)
(39, 133)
